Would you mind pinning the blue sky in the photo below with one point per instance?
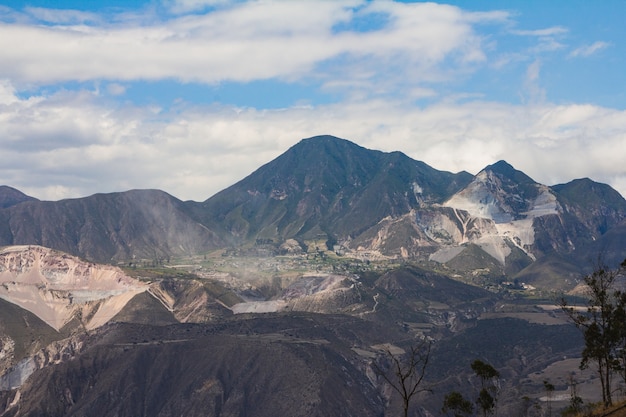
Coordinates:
(189, 96)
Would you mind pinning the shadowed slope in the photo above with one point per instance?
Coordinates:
(328, 186)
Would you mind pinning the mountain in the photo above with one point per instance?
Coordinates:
(133, 225)
(377, 253)
(331, 190)
(516, 221)
(326, 193)
(326, 187)
(10, 196)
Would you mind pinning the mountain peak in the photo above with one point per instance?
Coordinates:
(501, 166)
(328, 144)
(501, 193)
(9, 196)
(505, 170)
(589, 194)
(325, 185)
(323, 139)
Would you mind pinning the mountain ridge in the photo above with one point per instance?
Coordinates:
(336, 195)
(320, 184)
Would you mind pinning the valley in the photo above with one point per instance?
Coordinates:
(281, 300)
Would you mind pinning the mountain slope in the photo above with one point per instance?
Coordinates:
(22, 334)
(137, 224)
(326, 186)
(194, 370)
(59, 288)
(10, 196)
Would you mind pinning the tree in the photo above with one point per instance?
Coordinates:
(575, 406)
(488, 394)
(455, 403)
(486, 402)
(405, 372)
(549, 387)
(603, 326)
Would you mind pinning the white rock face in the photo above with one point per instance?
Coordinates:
(18, 374)
(480, 200)
(482, 216)
(314, 293)
(52, 354)
(57, 287)
(271, 306)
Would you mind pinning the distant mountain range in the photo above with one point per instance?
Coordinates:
(334, 194)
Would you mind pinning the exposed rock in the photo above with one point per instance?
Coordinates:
(58, 288)
(201, 370)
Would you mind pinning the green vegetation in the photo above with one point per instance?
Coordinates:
(489, 387)
(458, 405)
(156, 273)
(603, 325)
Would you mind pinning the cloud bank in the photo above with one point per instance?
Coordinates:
(400, 71)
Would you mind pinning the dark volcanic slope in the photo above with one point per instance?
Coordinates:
(10, 196)
(106, 227)
(597, 205)
(589, 211)
(327, 186)
(194, 370)
(22, 334)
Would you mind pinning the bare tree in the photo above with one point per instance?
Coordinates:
(404, 372)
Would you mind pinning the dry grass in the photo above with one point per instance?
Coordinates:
(618, 410)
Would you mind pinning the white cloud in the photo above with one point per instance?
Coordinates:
(546, 32)
(61, 16)
(588, 50)
(116, 89)
(7, 93)
(249, 41)
(532, 91)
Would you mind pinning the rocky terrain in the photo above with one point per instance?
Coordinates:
(137, 224)
(137, 370)
(277, 295)
(59, 288)
(245, 339)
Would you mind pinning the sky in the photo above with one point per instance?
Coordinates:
(191, 96)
